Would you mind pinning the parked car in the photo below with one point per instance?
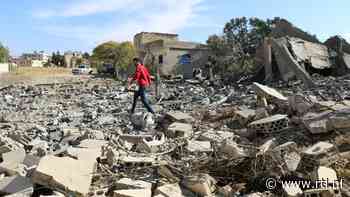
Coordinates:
(106, 69)
(82, 69)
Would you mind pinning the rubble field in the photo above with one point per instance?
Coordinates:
(76, 138)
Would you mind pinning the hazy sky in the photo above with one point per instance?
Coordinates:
(81, 24)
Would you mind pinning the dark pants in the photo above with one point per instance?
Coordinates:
(141, 93)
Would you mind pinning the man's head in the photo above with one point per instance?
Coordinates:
(136, 61)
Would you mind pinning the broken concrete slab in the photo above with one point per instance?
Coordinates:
(172, 190)
(16, 184)
(127, 183)
(66, 173)
(317, 123)
(319, 149)
(300, 103)
(132, 193)
(199, 146)
(268, 92)
(339, 119)
(202, 184)
(232, 149)
(216, 136)
(179, 130)
(12, 161)
(178, 116)
(288, 66)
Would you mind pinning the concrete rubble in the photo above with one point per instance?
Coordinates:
(78, 139)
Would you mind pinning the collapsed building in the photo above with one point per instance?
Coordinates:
(287, 58)
(170, 54)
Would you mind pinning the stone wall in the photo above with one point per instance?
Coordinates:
(4, 67)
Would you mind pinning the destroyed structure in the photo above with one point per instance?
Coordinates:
(170, 54)
(290, 53)
(76, 139)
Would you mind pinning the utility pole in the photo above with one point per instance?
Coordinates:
(158, 79)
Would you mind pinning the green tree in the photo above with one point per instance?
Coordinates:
(79, 61)
(118, 54)
(4, 54)
(235, 49)
(86, 55)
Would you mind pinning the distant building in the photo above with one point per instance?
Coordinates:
(71, 58)
(35, 59)
(173, 56)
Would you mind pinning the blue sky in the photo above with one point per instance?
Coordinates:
(82, 24)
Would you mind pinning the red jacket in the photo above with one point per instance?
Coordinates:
(142, 76)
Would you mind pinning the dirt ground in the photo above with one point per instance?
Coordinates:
(40, 76)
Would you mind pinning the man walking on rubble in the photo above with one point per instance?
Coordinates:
(143, 79)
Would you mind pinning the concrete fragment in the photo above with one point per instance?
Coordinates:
(339, 119)
(202, 184)
(73, 175)
(12, 162)
(133, 193)
(16, 184)
(271, 124)
(226, 191)
(317, 123)
(216, 136)
(300, 103)
(179, 130)
(232, 149)
(288, 152)
(288, 66)
(142, 120)
(177, 116)
(199, 146)
(127, 183)
(292, 160)
(245, 115)
(319, 149)
(292, 190)
(151, 144)
(7, 145)
(269, 92)
(261, 113)
(170, 190)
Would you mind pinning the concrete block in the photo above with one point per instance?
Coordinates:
(232, 149)
(127, 183)
(202, 184)
(199, 146)
(177, 116)
(133, 193)
(170, 190)
(270, 124)
(319, 149)
(179, 130)
(216, 136)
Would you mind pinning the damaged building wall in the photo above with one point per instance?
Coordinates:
(287, 65)
(175, 57)
(294, 57)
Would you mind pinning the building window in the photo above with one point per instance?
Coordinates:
(185, 59)
(160, 59)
